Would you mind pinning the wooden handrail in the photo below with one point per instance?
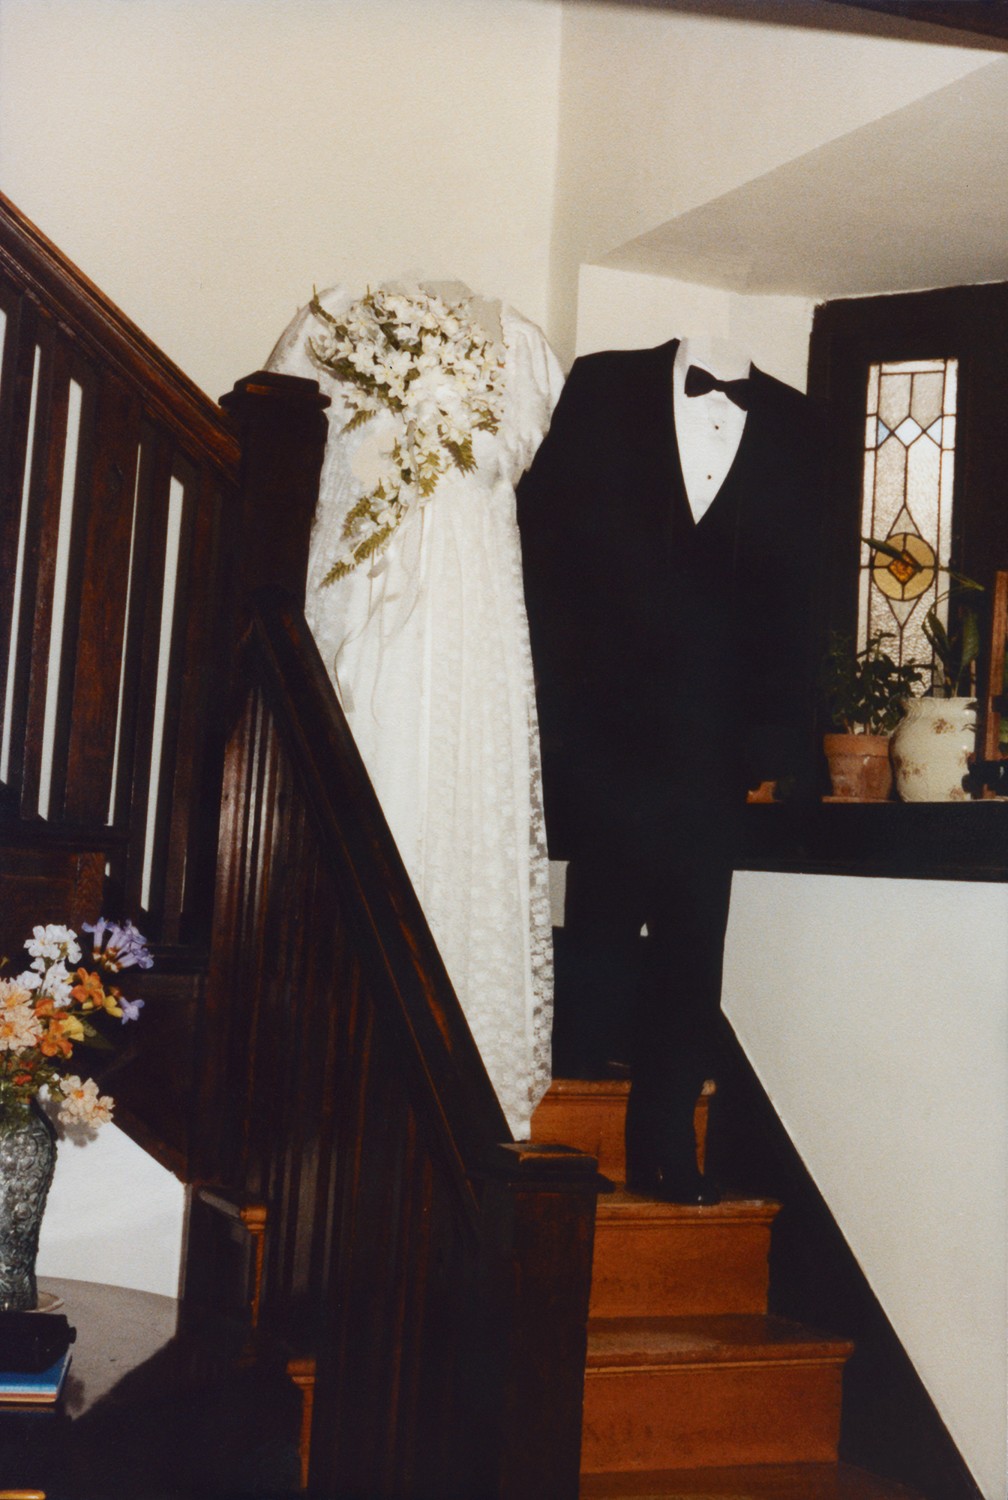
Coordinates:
(387, 910)
(55, 284)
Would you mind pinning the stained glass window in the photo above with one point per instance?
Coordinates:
(909, 456)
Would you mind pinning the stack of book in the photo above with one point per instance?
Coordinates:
(34, 1389)
(34, 1357)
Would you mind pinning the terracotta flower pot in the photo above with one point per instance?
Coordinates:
(859, 766)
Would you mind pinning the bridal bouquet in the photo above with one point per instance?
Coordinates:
(50, 1008)
(434, 378)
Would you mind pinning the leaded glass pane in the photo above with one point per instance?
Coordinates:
(894, 399)
(907, 500)
(926, 402)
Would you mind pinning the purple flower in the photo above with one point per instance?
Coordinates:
(98, 928)
(124, 948)
(130, 1009)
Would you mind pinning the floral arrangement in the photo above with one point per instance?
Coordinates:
(50, 1008)
(429, 366)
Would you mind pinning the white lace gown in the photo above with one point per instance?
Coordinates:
(429, 653)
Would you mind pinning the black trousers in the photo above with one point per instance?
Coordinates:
(651, 1001)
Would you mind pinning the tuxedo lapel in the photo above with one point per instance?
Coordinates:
(668, 501)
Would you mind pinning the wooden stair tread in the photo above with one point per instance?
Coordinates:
(751, 1482)
(597, 1088)
(624, 1205)
(721, 1339)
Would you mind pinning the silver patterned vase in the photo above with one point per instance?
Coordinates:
(27, 1162)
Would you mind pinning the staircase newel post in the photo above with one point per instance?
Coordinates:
(538, 1219)
(282, 430)
(280, 424)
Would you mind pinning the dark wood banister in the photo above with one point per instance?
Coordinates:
(387, 912)
(494, 1297)
(402, 1205)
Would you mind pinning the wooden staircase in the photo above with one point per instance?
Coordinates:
(691, 1389)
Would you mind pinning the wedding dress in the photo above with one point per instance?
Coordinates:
(428, 650)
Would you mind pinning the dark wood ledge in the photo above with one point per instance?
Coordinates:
(903, 840)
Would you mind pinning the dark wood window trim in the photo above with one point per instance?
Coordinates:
(939, 841)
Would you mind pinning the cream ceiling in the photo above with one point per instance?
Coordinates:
(917, 199)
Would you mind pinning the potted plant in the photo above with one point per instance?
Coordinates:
(863, 693)
(932, 744)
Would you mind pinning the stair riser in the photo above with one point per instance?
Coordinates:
(710, 1416)
(593, 1120)
(680, 1268)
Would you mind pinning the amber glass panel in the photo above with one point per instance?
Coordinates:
(910, 410)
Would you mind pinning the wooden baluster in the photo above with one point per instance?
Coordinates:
(198, 731)
(38, 576)
(148, 573)
(15, 405)
(103, 526)
(178, 753)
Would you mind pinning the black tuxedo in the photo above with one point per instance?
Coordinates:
(673, 667)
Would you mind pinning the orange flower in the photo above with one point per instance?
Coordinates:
(55, 1039)
(89, 992)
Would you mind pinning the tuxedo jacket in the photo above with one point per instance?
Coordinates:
(673, 658)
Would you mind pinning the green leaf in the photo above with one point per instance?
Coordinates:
(358, 419)
(937, 636)
(964, 582)
(320, 312)
(885, 547)
(970, 637)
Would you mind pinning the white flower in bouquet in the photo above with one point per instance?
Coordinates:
(435, 378)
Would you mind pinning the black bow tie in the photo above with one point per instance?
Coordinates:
(699, 382)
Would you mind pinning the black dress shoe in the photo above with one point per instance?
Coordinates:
(662, 1174)
(669, 1183)
(687, 1187)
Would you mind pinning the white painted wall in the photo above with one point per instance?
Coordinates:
(628, 310)
(874, 1013)
(207, 161)
(113, 1215)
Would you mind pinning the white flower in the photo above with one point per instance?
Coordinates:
(444, 384)
(398, 362)
(53, 942)
(20, 1027)
(81, 1102)
(57, 983)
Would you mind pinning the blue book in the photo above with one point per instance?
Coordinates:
(35, 1390)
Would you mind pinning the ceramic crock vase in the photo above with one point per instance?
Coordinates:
(930, 749)
(27, 1162)
(859, 766)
